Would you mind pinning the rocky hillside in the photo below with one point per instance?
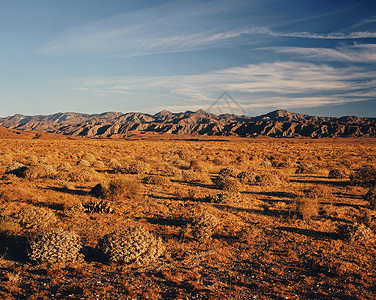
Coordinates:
(279, 123)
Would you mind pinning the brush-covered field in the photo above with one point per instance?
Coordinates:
(187, 219)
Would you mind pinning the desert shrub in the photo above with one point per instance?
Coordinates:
(56, 246)
(370, 196)
(320, 192)
(355, 232)
(75, 210)
(304, 168)
(227, 183)
(224, 198)
(203, 225)
(35, 217)
(306, 207)
(121, 187)
(98, 164)
(269, 179)
(88, 157)
(98, 206)
(137, 167)
(131, 245)
(336, 174)
(266, 164)
(65, 167)
(157, 180)
(364, 176)
(39, 171)
(17, 169)
(83, 163)
(232, 172)
(114, 164)
(191, 177)
(83, 175)
(247, 177)
(169, 170)
(8, 225)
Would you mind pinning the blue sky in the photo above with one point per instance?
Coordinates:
(91, 56)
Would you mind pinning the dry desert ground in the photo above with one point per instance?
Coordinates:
(187, 218)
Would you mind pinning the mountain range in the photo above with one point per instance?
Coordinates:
(279, 123)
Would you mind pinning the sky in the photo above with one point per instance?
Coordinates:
(225, 56)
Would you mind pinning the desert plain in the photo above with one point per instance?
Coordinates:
(208, 218)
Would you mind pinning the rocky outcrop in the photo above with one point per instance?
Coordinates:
(279, 123)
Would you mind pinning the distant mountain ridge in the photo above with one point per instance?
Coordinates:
(278, 123)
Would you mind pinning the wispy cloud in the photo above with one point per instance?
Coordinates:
(178, 27)
(279, 84)
(363, 53)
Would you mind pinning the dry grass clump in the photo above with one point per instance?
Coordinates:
(137, 167)
(157, 180)
(269, 179)
(355, 232)
(202, 226)
(98, 164)
(83, 175)
(247, 177)
(35, 217)
(191, 177)
(88, 157)
(336, 174)
(131, 245)
(226, 197)
(8, 226)
(56, 246)
(229, 171)
(39, 171)
(227, 183)
(266, 164)
(304, 168)
(65, 167)
(113, 163)
(364, 176)
(75, 210)
(370, 196)
(98, 206)
(122, 188)
(16, 168)
(83, 163)
(320, 192)
(306, 207)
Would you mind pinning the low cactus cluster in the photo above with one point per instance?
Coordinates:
(98, 206)
(225, 197)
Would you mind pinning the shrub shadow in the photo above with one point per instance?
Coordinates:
(311, 233)
(264, 212)
(14, 247)
(74, 192)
